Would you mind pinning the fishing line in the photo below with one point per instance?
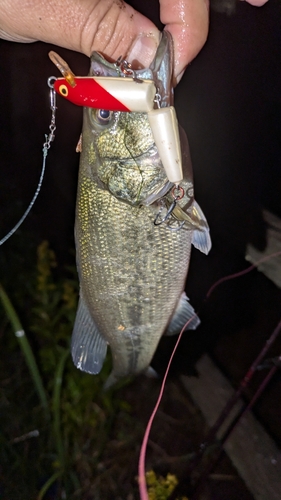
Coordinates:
(141, 467)
(141, 471)
(241, 273)
(19, 223)
(46, 146)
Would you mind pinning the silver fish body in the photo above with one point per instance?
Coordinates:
(132, 272)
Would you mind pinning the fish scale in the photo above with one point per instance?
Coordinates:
(122, 253)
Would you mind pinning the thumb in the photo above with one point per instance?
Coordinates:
(257, 3)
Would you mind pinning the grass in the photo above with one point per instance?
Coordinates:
(61, 436)
(41, 389)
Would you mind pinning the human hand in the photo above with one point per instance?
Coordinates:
(111, 27)
(108, 26)
(257, 3)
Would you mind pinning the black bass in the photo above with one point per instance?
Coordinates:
(132, 269)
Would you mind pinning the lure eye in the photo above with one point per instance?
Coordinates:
(63, 90)
(103, 116)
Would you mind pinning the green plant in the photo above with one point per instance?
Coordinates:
(160, 488)
(87, 448)
(26, 349)
(73, 440)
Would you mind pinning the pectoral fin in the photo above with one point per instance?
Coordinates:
(201, 237)
(196, 221)
(184, 312)
(88, 347)
(181, 215)
(201, 240)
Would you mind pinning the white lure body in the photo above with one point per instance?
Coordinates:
(136, 95)
(164, 126)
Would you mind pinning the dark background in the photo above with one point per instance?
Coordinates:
(229, 102)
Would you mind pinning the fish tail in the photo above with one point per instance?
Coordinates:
(112, 380)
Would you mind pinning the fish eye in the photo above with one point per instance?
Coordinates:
(103, 116)
(63, 90)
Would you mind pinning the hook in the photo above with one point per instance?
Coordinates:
(169, 218)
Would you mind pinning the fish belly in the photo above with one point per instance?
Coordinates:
(131, 273)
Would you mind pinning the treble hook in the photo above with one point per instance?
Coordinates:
(169, 214)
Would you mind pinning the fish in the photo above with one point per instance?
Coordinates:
(132, 258)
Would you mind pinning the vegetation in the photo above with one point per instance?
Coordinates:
(61, 435)
(160, 488)
(71, 413)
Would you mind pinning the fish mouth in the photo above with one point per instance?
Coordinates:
(139, 180)
(158, 194)
(150, 155)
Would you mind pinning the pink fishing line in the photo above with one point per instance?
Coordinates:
(241, 273)
(142, 480)
(141, 468)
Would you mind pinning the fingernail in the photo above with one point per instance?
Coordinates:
(143, 51)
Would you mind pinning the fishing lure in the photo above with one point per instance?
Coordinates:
(126, 94)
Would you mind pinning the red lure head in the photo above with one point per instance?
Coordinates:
(88, 92)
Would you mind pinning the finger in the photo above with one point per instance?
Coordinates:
(188, 23)
(108, 26)
(256, 3)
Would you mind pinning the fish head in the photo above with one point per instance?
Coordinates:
(122, 155)
(120, 148)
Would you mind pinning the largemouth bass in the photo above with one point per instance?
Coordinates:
(132, 271)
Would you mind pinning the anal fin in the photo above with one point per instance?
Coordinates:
(151, 373)
(88, 347)
(183, 313)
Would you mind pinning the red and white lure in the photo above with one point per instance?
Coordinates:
(126, 94)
